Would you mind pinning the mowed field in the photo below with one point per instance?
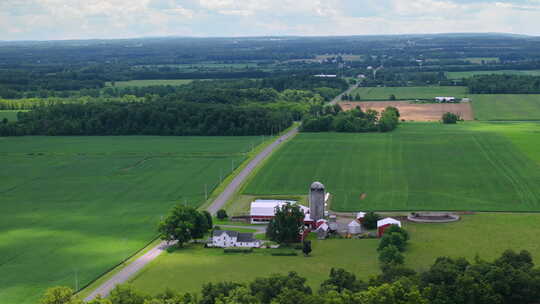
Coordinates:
(506, 107)
(73, 207)
(150, 82)
(487, 235)
(414, 111)
(383, 93)
(420, 166)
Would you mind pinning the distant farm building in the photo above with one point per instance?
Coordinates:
(383, 224)
(225, 238)
(262, 211)
(354, 227)
(445, 99)
(325, 75)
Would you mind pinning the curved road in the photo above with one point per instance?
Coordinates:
(126, 273)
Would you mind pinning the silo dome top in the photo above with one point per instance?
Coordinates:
(317, 186)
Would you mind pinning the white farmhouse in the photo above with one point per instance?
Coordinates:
(225, 238)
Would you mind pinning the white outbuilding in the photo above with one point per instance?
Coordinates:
(354, 227)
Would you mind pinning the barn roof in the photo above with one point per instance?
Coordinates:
(268, 207)
(354, 224)
(388, 221)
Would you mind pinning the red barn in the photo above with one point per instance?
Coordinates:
(383, 224)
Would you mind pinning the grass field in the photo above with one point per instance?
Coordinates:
(73, 207)
(11, 115)
(420, 166)
(151, 82)
(383, 93)
(467, 74)
(506, 107)
(187, 269)
(480, 60)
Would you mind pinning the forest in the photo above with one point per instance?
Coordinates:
(504, 84)
(151, 118)
(331, 118)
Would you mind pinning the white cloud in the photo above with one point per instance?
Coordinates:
(63, 19)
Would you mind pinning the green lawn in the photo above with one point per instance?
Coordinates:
(467, 74)
(487, 235)
(151, 82)
(383, 93)
(420, 166)
(187, 269)
(73, 207)
(506, 107)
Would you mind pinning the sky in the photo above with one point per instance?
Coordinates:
(88, 19)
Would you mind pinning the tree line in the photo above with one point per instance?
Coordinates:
(148, 118)
(333, 119)
(512, 278)
(504, 84)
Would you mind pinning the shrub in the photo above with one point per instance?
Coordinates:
(222, 214)
(393, 239)
(238, 250)
(390, 255)
(370, 220)
(450, 118)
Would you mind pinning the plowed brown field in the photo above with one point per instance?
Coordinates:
(415, 111)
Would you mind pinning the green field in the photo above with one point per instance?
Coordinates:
(73, 207)
(467, 74)
(420, 166)
(187, 269)
(151, 82)
(383, 93)
(506, 107)
(11, 115)
(479, 60)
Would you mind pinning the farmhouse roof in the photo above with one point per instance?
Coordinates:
(388, 221)
(228, 232)
(240, 237)
(360, 215)
(245, 237)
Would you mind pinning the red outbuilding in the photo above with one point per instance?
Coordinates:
(383, 224)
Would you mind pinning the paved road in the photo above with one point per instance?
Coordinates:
(338, 98)
(126, 273)
(237, 181)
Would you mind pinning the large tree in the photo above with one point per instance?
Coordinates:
(286, 225)
(183, 224)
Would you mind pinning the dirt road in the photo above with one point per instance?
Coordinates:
(125, 274)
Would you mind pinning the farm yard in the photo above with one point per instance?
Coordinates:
(415, 111)
(404, 93)
(73, 207)
(420, 166)
(187, 269)
(506, 106)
